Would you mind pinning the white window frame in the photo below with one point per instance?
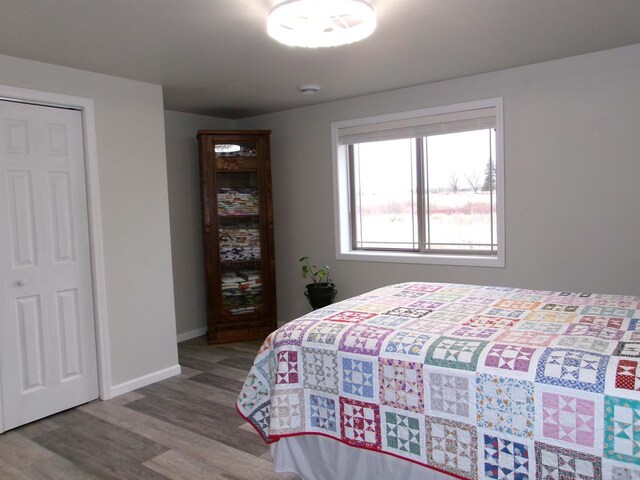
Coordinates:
(342, 204)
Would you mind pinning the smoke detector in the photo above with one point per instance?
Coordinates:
(309, 89)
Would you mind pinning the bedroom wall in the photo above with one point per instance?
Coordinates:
(572, 167)
(129, 120)
(185, 214)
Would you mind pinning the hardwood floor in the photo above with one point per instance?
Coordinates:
(183, 428)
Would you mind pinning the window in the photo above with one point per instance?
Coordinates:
(422, 186)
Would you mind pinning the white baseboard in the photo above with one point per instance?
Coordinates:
(192, 334)
(144, 381)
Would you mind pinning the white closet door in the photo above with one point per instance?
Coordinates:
(47, 335)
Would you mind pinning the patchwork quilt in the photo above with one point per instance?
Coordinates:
(479, 382)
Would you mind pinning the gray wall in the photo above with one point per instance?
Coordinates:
(129, 122)
(572, 167)
(184, 210)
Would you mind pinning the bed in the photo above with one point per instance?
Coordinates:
(437, 380)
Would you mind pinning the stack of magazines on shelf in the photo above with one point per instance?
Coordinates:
(237, 201)
(239, 242)
(241, 291)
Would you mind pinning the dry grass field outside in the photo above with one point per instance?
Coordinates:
(462, 218)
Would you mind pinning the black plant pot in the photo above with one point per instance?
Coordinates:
(320, 294)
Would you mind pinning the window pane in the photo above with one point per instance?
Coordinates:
(384, 195)
(461, 191)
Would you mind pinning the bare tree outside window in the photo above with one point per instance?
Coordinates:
(453, 182)
(475, 181)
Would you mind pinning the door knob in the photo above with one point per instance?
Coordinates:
(21, 283)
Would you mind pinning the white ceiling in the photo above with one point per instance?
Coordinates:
(214, 57)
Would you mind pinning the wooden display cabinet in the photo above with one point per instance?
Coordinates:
(237, 218)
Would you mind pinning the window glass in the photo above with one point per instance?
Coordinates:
(461, 191)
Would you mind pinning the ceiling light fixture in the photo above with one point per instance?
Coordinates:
(321, 23)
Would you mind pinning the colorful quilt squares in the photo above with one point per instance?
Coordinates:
(608, 322)
(426, 304)
(455, 353)
(349, 316)
(505, 405)
(407, 343)
(505, 459)
(509, 357)
(360, 424)
(403, 433)
(544, 327)
(292, 333)
(253, 393)
(387, 321)
(429, 327)
(325, 332)
(401, 385)
(558, 307)
(363, 339)
(444, 317)
(622, 429)
(448, 395)
(627, 349)
(548, 316)
(287, 368)
(492, 322)
(586, 343)
(530, 339)
(568, 419)
(528, 295)
(608, 311)
(260, 417)
(505, 313)
(358, 377)
(287, 412)
(475, 332)
(408, 294)
(409, 312)
(444, 297)
(557, 463)
(617, 472)
(517, 304)
(462, 308)
(322, 413)
(628, 375)
(371, 308)
(320, 369)
(586, 330)
(452, 446)
(616, 302)
(476, 300)
(572, 369)
(392, 301)
(424, 287)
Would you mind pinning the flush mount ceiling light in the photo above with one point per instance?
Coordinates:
(321, 23)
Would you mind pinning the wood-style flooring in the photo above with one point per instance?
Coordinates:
(183, 428)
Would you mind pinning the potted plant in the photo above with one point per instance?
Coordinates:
(321, 291)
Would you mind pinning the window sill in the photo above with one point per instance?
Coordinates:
(424, 259)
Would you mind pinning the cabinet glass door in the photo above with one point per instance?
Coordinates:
(238, 213)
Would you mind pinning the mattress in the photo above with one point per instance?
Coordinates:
(472, 381)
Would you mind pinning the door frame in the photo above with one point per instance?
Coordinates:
(85, 105)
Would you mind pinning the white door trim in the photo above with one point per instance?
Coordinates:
(85, 105)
